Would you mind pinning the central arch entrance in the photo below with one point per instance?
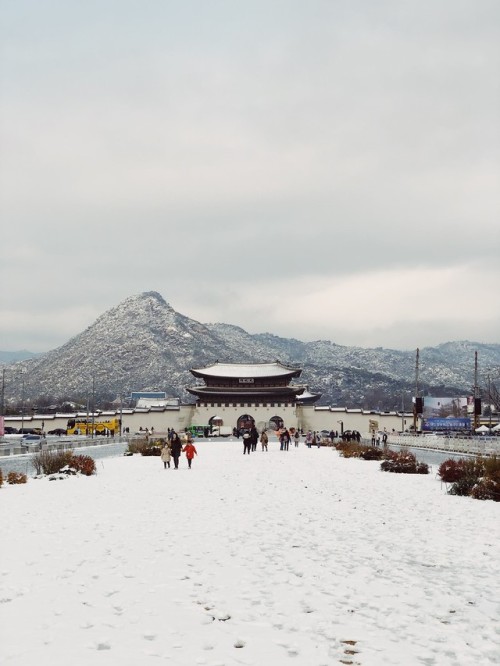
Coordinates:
(245, 422)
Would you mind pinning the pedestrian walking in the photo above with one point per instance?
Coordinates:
(176, 448)
(254, 437)
(264, 439)
(247, 443)
(190, 451)
(165, 455)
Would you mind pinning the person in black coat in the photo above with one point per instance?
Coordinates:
(254, 437)
(247, 442)
(176, 449)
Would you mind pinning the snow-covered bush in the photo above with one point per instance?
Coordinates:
(53, 462)
(16, 477)
(487, 488)
(145, 447)
(451, 470)
(50, 462)
(372, 453)
(1, 477)
(83, 464)
(472, 472)
(403, 462)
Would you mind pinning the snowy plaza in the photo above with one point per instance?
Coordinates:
(286, 557)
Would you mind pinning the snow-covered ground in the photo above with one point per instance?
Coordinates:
(297, 557)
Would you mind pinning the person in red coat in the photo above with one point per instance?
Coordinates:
(190, 451)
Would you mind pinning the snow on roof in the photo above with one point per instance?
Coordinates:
(234, 370)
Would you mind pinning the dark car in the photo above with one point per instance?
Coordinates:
(58, 431)
(9, 430)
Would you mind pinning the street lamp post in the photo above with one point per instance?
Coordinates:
(22, 401)
(93, 405)
(402, 411)
(2, 406)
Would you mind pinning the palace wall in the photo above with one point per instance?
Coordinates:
(307, 417)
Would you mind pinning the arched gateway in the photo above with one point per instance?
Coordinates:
(246, 394)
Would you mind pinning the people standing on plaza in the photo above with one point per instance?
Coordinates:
(309, 439)
(264, 439)
(165, 455)
(254, 437)
(247, 442)
(190, 451)
(284, 439)
(296, 437)
(176, 448)
(314, 441)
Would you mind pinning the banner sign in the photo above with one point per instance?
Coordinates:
(446, 424)
(445, 407)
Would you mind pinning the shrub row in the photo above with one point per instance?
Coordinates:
(145, 447)
(355, 450)
(403, 462)
(52, 462)
(474, 477)
(399, 462)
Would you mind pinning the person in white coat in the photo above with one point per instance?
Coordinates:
(165, 455)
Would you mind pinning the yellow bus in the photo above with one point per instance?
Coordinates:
(86, 427)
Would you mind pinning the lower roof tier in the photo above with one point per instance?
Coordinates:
(244, 395)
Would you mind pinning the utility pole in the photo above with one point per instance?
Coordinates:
(417, 391)
(22, 401)
(489, 397)
(2, 406)
(93, 405)
(476, 394)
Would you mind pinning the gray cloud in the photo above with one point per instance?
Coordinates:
(282, 156)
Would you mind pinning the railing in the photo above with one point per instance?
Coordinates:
(484, 446)
(17, 447)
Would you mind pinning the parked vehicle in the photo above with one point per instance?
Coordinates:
(221, 431)
(58, 431)
(87, 426)
(32, 441)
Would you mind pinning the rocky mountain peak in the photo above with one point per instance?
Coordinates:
(144, 344)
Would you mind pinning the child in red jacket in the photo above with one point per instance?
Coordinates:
(190, 451)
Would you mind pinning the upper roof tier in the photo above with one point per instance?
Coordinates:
(247, 370)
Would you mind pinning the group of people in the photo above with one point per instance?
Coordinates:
(173, 448)
(285, 437)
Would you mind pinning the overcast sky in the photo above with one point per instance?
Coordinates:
(323, 169)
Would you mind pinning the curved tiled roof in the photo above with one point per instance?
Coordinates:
(246, 370)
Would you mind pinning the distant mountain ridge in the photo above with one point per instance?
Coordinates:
(144, 344)
(14, 356)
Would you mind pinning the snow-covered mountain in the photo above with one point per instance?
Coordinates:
(144, 344)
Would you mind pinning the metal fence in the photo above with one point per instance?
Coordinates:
(483, 446)
(17, 447)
